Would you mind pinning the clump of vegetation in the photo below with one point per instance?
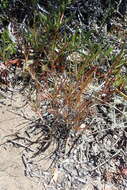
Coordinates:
(64, 71)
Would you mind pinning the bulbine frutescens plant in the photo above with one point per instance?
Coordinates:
(65, 80)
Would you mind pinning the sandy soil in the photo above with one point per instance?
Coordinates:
(11, 167)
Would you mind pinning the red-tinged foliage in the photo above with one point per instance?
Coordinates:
(16, 62)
